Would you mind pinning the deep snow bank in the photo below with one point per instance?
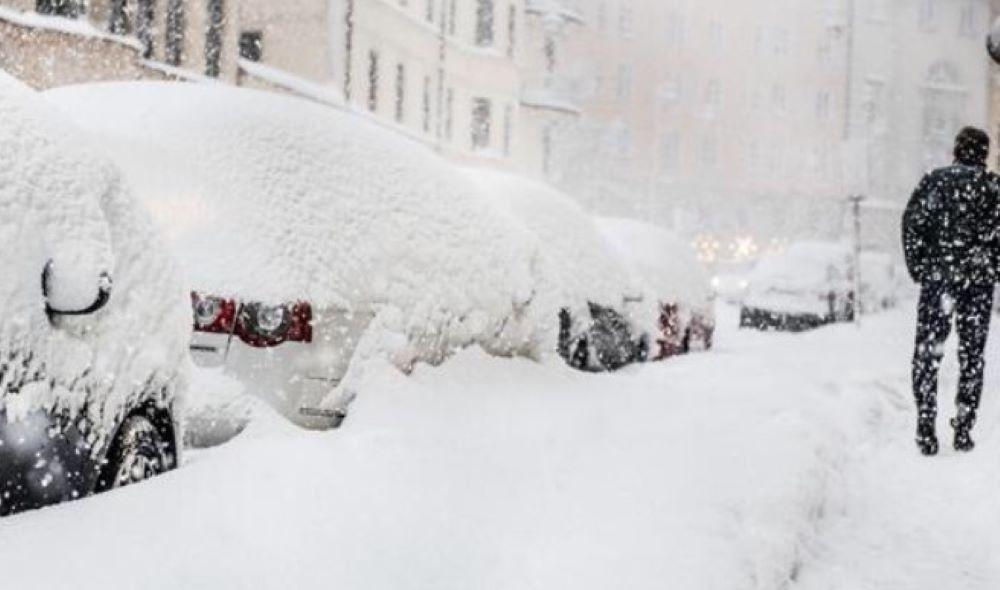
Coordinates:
(708, 473)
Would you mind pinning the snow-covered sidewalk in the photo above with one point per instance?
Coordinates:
(778, 461)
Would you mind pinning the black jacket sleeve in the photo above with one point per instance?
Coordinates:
(918, 230)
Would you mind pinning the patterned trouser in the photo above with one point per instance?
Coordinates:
(972, 309)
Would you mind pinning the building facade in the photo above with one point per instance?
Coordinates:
(57, 42)
(442, 71)
(721, 119)
(918, 73)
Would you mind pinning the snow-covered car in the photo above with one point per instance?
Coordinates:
(675, 299)
(580, 286)
(303, 230)
(808, 285)
(730, 281)
(92, 334)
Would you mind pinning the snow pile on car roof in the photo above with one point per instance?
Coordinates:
(573, 264)
(56, 200)
(804, 265)
(662, 265)
(277, 199)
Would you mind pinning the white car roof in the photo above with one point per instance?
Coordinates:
(663, 263)
(578, 263)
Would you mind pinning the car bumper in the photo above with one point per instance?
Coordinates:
(42, 463)
(293, 378)
(762, 319)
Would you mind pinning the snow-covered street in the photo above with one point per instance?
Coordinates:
(778, 461)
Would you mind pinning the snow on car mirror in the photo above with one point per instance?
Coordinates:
(993, 42)
(73, 287)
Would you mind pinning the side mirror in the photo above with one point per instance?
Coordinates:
(993, 42)
(67, 294)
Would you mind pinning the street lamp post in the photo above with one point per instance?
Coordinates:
(855, 201)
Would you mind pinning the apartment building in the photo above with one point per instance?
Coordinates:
(549, 108)
(725, 119)
(56, 42)
(918, 73)
(442, 71)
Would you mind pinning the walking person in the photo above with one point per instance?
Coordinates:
(950, 238)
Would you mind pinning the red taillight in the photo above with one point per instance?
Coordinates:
(213, 314)
(257, 324)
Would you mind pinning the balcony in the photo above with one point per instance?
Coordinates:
(551, 93)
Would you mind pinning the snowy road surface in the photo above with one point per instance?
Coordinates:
(776, 462)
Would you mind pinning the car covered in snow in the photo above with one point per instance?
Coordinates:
(308, 236)
(580, 286)
(808, 285)
(673, 296)
(92, 333)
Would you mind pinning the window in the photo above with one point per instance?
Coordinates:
(713, 96)
(778, 98)
(118, 22)
(716, 37)
(511, 31)
(481, 117)
(602, 16)
(372, 80)
(400, 93)
(669, 154)
(452, 17)
(484, 23)
(429, 11)
(175, 33)
(674, 32)
(823, 105)
(426, 105)
(926, 13)
(968, 25)
(252, 45)
(879, 10)
(626, 20)
(449, 121)
(624, 82)
(709, 152)
(213, 38)
(671, 90)
(70, 8)
(145, 18)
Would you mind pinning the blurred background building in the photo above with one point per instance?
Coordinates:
(742, 124)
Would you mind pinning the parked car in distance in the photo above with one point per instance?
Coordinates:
(92, 333)
(674, 302)
(299, 225)
(808, 285)
(578, 307)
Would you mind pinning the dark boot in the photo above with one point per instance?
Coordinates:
(963, 424)
(927, 440)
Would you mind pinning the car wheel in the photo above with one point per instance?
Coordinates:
(138, 453)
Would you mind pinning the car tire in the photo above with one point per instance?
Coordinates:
(137, 453)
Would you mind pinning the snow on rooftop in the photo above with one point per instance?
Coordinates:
(60, 24)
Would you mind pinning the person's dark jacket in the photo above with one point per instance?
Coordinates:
(951, 227)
